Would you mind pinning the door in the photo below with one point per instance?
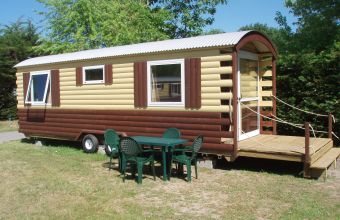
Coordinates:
(248, 93)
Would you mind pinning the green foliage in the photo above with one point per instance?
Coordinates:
(16, 41)
(308, 68)
(309, 81)
(317, 25)
(86, 24)
(74, 25)
(188, 17)
(214, 31)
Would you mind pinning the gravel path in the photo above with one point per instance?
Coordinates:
(10, 136)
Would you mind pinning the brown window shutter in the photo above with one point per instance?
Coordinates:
(193, 83)
(79, 76)
(26, 79)
(55, 88)
(140, 84)
(108, 74)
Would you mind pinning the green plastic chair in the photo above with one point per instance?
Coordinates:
(184, 159)
(111, 139)
(132, 153)
(172, 133)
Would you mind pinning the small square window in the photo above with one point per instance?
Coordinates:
(165, 83)
(93, 74)
(38, 88)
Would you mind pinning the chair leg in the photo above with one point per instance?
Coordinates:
(196, 169)
(140, 172)
(189, 171)
(123, 164)
(119, 163)
(123, 170)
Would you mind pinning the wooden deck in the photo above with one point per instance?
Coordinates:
(279, 147)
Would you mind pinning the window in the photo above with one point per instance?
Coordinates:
(166, 83)
(93, 74)
(38, 88)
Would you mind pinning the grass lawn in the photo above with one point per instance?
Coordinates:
(65, 183)
(8, 126)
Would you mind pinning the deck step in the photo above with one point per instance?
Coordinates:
(327, 159)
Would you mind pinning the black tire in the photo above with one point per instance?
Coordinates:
(90, 143)
(107, 150)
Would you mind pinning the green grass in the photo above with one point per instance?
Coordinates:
(65, 183)
(8, 126)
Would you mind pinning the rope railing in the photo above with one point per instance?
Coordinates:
(302, 110)
(300, 126)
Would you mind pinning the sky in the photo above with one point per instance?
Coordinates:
(230, 17)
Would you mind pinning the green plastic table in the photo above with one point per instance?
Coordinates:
(165, 143)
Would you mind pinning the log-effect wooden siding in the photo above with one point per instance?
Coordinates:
(265, 92)
(140, 82)
(117, 95)
(213, 82)
(25, 77)
(55, 88)
(69, 124)
(193, 83)
(120, 94)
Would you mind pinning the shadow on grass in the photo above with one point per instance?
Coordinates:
(53, 143)
(262, 165)
(131, 171)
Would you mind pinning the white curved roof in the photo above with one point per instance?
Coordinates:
(225, 39)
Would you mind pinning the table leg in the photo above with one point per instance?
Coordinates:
(165, 176)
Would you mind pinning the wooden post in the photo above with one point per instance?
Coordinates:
(330, 125)
(307, 158)
(274, 92)
(235, 100)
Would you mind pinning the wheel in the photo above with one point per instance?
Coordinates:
(90, 143)
(107, 150)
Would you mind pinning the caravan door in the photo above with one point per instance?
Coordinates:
(248, 95)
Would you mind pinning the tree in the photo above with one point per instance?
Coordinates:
(317, 25)
(311, 65)
(188, 18)
(16, 42)
(214, 31)
(86, 24)
(309, 81)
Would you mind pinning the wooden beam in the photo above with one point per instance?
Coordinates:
(307, 158)
(235, 100)
(330, 125)
(269, 156)
(274, 92)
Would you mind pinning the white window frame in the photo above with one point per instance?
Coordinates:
(149, 89)
(93, 81)
(43, 72)
(240, 135)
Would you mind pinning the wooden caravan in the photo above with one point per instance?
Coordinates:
(214, 85)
